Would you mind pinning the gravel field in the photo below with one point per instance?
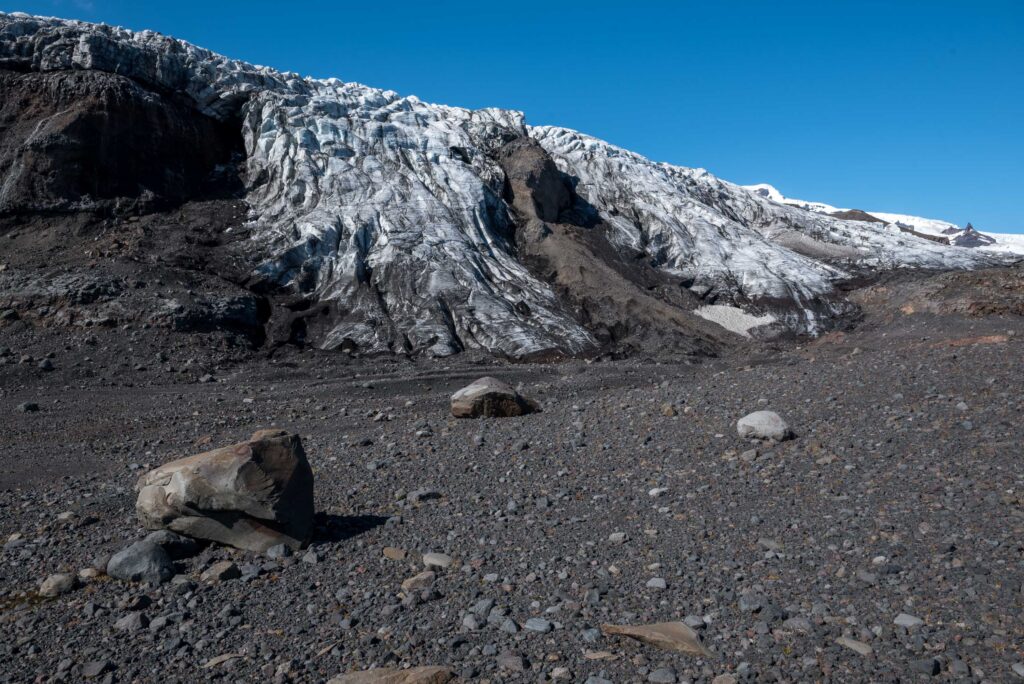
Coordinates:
(882, 543)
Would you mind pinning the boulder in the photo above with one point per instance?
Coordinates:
(490, 398)
(253, 495)
(141, 562)
(763, 425)
(390, 675)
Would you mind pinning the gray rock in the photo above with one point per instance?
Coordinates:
(657, 583)
(928, 666)
(279, 551)
(132, 622)
(538, 625)
(143, 561)
(176, 545)
(96, 668)
(908, 621)
(511, 662)
(57, 584)
(221, 572)
(664, 675)
(28, 407)
(763, 425)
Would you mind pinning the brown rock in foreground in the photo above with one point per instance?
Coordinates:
(390, 675)
(251, 495)
(490, 398)
(670, 636)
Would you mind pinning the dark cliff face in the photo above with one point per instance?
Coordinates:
(81, 139)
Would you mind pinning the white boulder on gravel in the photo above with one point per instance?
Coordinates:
(763, 425)
(490, 398)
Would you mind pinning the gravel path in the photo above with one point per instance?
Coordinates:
(881, 544)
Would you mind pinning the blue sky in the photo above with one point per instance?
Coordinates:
(914, 107)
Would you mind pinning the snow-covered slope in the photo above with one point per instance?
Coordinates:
(998, 242)
(397, 211)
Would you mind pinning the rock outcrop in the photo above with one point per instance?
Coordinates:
(252, 495)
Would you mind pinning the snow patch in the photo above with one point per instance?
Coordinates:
(733, 318)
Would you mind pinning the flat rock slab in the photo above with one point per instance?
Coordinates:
(490, 398)
(670, 636)
(389, 675)
(252, 495)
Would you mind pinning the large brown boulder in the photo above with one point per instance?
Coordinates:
(490, 398)
(251, 495)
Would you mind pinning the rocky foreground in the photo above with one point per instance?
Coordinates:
(880, 543)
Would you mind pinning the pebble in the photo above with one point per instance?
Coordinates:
(908, 621)
(538, 625)
(664, 675)
(858, 647)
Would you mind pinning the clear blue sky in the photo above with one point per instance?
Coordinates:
(914, 106)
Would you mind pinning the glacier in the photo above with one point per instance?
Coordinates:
(398, 212)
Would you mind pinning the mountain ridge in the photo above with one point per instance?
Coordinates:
(396, 220)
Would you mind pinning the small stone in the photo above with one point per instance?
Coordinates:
(724, 679)
(437, 560)
(511, 662)
(423, 580)
(858, 647)
(908, 621)
(95, 668)
(279, 551)
(538, 625)
(664, 675)
(668, 410)
(617, 538)
(393, 553)
(421, 495)
(311, 557)
(132, 622)
(657, 491)
(657, 583)
(221, 572)
(928, 666)
(798, 624)
(1018, 669)
(45, 365)
(176, 545)
(28, 407)
(55, 585)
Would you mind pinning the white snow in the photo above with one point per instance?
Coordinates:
(733, 318)
(392, 208)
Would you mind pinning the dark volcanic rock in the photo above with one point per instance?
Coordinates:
(72, 139)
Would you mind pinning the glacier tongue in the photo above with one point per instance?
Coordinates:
(395, 211)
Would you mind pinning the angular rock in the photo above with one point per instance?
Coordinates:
(176, 545)
(390, 675)
(421, 581)
(763, 425)
(490, 398)
(252, 495)
(221, 572)
(670, 636)
(141, 562)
